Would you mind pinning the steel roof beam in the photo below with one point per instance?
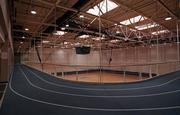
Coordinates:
(40, 23)
(84, 13)
(167, 9)
(50, 12)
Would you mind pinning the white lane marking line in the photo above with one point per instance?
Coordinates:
(104, 96)
(55, 84)
(4, 92)
(90, 109)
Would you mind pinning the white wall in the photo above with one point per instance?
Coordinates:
(123, 56)
(6, 45)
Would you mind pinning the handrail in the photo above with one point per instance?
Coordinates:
(146, 70)
(124, 65)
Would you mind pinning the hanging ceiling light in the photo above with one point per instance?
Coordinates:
(59, 33)
(117, 32)
(81, 16)
(125, 39)
(26, 29)
(84, 36)
(115, 41)
(168, 18)
(45, 41)
(33, 12)
(67, 25)
(65, 43)
(63, 28)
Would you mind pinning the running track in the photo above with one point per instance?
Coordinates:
(31, 92)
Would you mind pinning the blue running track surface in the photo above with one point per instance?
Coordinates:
(32, 92)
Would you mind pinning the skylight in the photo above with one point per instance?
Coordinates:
(146, 26)
(160, 32)
(105, 6)
(59, 33)
(133, 20)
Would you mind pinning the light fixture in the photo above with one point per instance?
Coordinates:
(60, 33)
(33, 12)
(26, 29)
(65, 43)
(77, 44)
(160, 32)
(84, 36)
(67, 25)
(21, 42)
(168, 18)
(117, 32)
(115, 41)
(146, 26)
(125, 39)
(23, 37)
(120, 26)
(99, 38)
(45, 41)
(63, 28)
(139, 37)
(81, 16)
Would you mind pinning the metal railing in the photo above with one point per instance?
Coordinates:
(107, 73)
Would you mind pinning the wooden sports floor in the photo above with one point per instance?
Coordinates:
(104, 77)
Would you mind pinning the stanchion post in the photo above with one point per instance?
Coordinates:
(124, 74)
(76, 74)
(150, 72)
(62, 72)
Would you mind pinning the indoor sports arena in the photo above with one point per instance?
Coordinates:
(89, 57)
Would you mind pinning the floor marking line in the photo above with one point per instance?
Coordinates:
(47, 90)
(55, 84)
(91, 109)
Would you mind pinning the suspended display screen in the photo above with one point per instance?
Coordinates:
(83, 50)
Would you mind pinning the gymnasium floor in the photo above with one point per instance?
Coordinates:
(106, 77)
(32, 92)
